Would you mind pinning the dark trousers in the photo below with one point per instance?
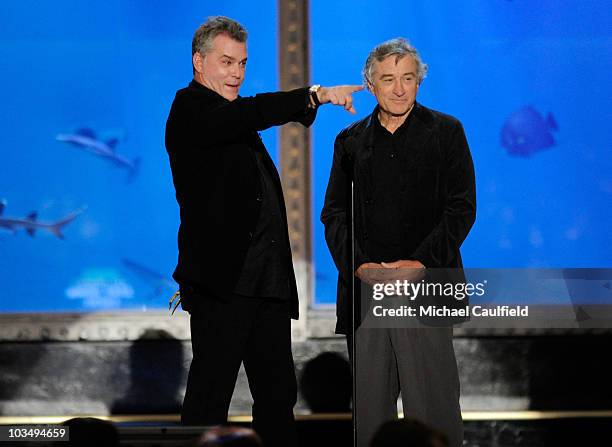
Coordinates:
(419, 362)
(227, 332)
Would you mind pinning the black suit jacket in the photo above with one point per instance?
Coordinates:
(217, 181)
(440, 205)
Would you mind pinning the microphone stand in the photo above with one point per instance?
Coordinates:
(353, 328)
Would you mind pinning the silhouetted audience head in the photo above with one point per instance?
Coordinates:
(229, 437)
(408, 433)
(91, 432)
(326, 383)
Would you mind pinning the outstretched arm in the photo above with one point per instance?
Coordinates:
(220, 121)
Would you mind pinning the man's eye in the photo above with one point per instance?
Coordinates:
(243, 64)
(227, 62)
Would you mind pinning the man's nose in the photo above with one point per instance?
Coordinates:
(398, 88)
(236, 72)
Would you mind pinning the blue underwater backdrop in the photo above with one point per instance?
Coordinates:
(88, 217)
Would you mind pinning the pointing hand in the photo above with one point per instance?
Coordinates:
(340, 95)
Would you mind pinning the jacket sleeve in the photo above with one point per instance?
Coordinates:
(441, 247)
(335, 213)
(207, 123)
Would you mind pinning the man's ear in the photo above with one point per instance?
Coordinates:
(198, 62)
(370, 87)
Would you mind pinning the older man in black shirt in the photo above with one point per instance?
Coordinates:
(234, 269)
(414, 204)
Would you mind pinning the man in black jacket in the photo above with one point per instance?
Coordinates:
(234, 269)
(414, 204)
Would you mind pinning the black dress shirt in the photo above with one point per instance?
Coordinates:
(384, 242)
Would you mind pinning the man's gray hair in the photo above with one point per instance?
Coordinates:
(206, 33)
(398, 47)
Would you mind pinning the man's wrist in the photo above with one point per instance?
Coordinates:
(315, 102)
